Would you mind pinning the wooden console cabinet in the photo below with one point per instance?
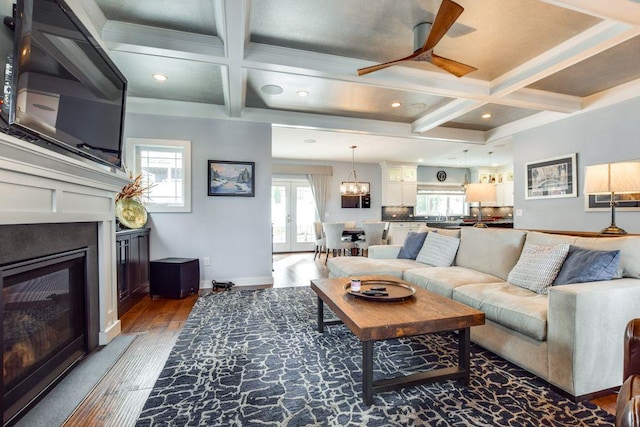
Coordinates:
(132, 254)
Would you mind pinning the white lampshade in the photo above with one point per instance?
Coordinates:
(484, 193)
(623, 177)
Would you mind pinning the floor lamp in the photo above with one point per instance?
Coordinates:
(480, 193)
(612, 179)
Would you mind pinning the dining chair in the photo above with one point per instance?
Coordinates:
(372, 235)
(334, 242)
(321, 241)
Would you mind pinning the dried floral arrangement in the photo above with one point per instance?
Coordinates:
(133, 190)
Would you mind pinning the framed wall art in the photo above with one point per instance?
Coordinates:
(551, 178)
(227, 178)
(624, 202)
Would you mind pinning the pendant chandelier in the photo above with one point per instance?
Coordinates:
(353, 187)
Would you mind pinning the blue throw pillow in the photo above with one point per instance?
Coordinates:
(412, 245)
(584, 265)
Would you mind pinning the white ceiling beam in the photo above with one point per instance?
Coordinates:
(288, 60)
(596, 39)
(542, 100)
(91, 16)
(146, 40)
(300, 120)
(235, 38)
(445, 114)
(624, 11)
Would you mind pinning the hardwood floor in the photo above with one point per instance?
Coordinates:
(118, 399)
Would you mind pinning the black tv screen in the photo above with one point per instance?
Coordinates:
(60, 85)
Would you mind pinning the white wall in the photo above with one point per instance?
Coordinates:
(234, 231)
(610, 134)
(367, 172)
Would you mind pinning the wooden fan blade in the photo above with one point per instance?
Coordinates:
(446, 16)
(456, 68)
(367, 70)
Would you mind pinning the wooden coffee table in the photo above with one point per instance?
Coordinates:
(371, 321)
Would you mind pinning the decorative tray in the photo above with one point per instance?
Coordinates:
(395, 291)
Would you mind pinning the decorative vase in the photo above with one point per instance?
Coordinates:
(131, 213)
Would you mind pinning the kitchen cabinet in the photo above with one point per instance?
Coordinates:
(399, 185)
(398, 231)
(132, 260)
(504, 194)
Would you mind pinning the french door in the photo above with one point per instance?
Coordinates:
(293, 213)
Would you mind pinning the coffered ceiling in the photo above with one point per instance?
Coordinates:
(537, 60)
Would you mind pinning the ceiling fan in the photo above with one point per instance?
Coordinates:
(447, 14)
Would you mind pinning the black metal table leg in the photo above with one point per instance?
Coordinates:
(320, 315)
(367, 372)
(464, 348)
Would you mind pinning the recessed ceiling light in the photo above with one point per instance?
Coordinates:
(395, 104)
(302, 93)
(160, 77)
(486, 116)
(420, 160)
(310, 141)
(271, 89)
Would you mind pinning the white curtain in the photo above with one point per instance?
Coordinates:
(320, 188)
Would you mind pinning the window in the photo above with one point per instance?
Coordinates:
(440, 201)
(165, 165)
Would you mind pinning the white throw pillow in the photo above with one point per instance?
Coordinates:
(538, 267)
(438, 250)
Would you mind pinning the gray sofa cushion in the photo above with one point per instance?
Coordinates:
(585, 265)
(438, 250)
(629, 247)
(360, 266)
(443, 280)
(412, 245)
(514, 307)
(478, 244)
(538, 266)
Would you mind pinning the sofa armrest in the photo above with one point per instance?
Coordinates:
(586, 323)
(384, 251)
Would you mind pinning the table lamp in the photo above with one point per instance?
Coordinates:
(480, 193)
(612, 179)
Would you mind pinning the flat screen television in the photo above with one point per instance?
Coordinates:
(60, 87)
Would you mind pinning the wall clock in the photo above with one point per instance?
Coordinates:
(441, 175)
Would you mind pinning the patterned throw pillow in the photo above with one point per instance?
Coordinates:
(584, 265)
(438, 250)
(538, 266)
(412, 244)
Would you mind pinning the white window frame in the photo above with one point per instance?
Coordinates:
(185, 146)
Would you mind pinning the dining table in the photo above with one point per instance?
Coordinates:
(355, 234)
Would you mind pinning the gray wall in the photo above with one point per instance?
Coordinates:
(234, 231)
(609, 134)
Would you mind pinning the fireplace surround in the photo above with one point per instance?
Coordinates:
(51, 204)
(49, 306)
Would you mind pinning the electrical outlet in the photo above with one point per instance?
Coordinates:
(519, 212)
(207, 261)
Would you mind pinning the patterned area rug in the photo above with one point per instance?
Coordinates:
(255, 358)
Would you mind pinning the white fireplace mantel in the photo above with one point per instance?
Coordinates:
(38, 185)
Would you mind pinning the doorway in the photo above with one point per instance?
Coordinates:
(293, 213)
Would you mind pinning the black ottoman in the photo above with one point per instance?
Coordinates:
(174, 277)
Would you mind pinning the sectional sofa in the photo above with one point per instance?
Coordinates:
(571, 335)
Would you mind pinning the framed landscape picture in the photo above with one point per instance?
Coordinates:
(551, 178)
(227, 178)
